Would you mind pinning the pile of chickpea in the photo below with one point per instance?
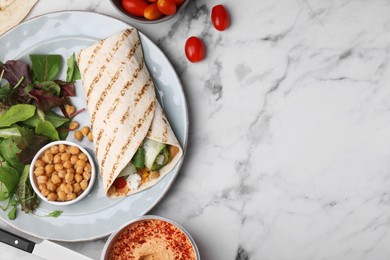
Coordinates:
(62, 172)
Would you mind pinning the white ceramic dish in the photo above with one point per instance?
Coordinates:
(114, 235)
(95, 216)
(82, 195)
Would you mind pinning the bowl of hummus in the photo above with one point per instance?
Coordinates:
(150, 238)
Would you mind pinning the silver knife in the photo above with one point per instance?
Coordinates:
(46, 249)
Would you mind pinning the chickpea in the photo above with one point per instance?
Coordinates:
(85, 130)
(70, 170)
(70, 196)
(68, 188)
(154, 174)
(76, 188)
(80, 163)
(61, 195)
(88, 167)
(51, 186)
(39, 163)
(57, 158)
(90, 137)
(54, 149)
(73, 125)
(42, 186)
(78, 135)
(70, 109)
(52, 197)
(74, 150)
(78, 177)
(45, 192)
(79, 170)
(56, 179)
(47, 158)
(61, 174)
(65, 157)
(83, 157)
(86, 176)
(69, 177)
(39, 171)
(42, 179)
(68, 164)
(49, 168)
(62, 148)
(58, 166)
(84, 184)
(73, 159)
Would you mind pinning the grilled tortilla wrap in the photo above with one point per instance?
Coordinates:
(12, 12)
(123, 108)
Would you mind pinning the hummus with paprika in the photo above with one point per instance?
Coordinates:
(152, 239)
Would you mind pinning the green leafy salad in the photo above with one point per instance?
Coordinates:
(28, 96)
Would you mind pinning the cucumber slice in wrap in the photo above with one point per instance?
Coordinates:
(161, 160)
(129, 169)
(152, 150)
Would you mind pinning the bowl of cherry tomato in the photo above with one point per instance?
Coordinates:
(149, 11)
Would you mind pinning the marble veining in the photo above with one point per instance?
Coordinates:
(289, 147)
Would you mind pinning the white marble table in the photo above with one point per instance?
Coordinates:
(289, 153)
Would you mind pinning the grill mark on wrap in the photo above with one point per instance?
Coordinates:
(104, 94)
(114, 49)
(130, 54)
(98, 138)
(107, 150)
(165, 132)
(93, 55)
(129, 139)
(142, 92)
(128, 83)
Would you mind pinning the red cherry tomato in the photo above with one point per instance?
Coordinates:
(135, 7)
(194, 49)
(220, 17)
(167, 7)
(151, 12)
(120, 183)
(179, 2)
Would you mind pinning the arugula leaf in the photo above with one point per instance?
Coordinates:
(55, 214)
(9, 177)
(45, 67)
(26, 196)
(73, 72)
(9, 132)
(47, 129)
(56, 119)
(16, 113)
(9, 151)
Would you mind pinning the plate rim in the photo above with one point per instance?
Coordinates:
(186, 126)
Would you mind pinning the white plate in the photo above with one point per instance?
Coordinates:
(95, 216)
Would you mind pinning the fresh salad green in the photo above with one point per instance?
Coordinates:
(27, 122)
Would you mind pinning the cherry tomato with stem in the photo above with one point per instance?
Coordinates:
(120, 183)
(194, 49)
(151, 12)
(220, 17)
(135, 7)
(167, 7)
